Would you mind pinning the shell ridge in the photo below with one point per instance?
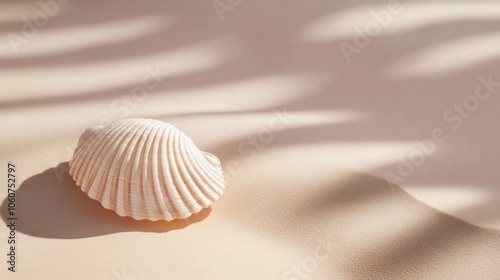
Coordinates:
(128, 199)
(89, 144)
(209, 172)
(204, 198)
(158, 179)
(215, 174)
(167, 178)
(121, 143)
(140, 193)
(180, 207)
(114, 180)
(148, 167)
(88, 170)
(185, 196)
(191, 179)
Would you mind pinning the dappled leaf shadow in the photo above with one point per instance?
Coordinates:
(397, 110)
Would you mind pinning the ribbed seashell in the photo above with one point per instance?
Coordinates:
(146, 169)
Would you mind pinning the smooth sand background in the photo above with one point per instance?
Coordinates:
(314, 186)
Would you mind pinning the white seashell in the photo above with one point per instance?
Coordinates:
(146, 169)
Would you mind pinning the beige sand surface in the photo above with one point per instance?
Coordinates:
(306, 138)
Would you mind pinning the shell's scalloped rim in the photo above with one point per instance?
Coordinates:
(147, 219)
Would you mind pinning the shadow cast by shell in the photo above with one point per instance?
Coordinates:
(53, 206)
